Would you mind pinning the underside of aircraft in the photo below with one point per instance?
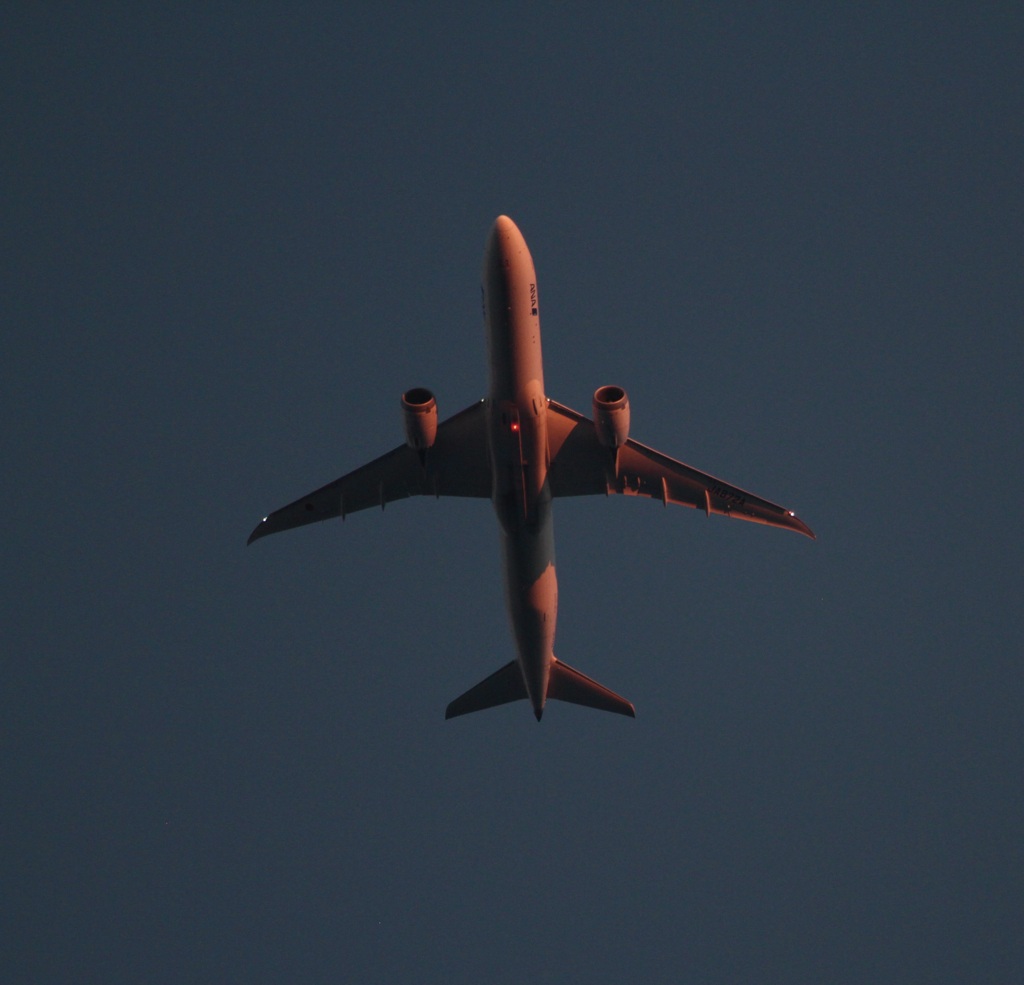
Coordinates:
(522, 450)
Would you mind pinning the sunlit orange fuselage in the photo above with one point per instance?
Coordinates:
(518, 442)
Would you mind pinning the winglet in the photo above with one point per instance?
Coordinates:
(260, 531)
(795, 523)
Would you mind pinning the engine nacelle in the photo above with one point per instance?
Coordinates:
(419, 414)
(611, 416)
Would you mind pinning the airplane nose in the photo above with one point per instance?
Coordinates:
(504, 242)
(503, 225)
(506, 234)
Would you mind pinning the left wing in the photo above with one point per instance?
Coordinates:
(457, 464)
(580, 465)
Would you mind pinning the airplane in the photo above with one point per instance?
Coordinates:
(522, 450)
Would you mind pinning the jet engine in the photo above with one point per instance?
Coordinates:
(611, 416)
(419, 414)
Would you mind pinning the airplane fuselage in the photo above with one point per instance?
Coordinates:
(518, 445)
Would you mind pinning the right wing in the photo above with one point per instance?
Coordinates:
(581, 465)
(457, 464)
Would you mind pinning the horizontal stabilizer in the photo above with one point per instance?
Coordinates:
(501, 687)
(568, 684)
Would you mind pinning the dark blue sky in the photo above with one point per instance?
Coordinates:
(231, 240)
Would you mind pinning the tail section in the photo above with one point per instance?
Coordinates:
(501, 687)
(564, 684)
(568, 684)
